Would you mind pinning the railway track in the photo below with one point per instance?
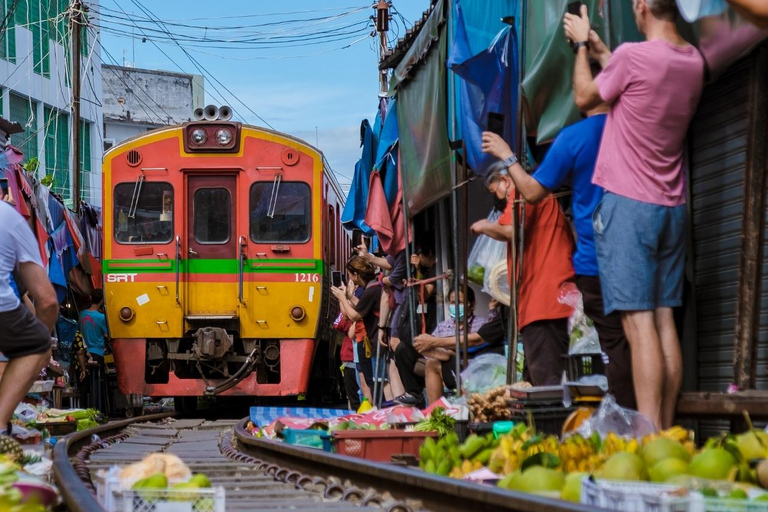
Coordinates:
(271, 476)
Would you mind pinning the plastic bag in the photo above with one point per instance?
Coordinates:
(485, 372)
(485, 255)
(581, 328)
(611, 417)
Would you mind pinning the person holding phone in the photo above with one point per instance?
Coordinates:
(571, 161)
(640, 226)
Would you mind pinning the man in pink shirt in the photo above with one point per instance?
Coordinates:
(653, 88)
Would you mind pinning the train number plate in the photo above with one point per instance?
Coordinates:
(307, 278)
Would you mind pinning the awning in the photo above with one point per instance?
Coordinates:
(420, 84)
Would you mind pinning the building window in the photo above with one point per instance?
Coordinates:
(57, 150)
(23, 111)
(146, 219)
(8, 35)
(280, 212)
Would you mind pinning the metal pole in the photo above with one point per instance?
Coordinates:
(75, 24)
(462, 266)
(513, 333)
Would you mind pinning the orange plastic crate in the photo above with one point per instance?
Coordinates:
(379, 445)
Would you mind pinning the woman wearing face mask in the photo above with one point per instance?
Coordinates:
(547, 249)
(364, 309)
(439, 347)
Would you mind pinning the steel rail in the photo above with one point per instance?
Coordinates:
(73, 492)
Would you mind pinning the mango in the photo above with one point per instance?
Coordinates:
(663, 448)
(156, 481)
(537, 479)
(623, 466)
(668, 468)
(749, 444)
(572, 488)
(713, 463)
(201, 480)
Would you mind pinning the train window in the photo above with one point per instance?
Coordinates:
(285, 218)
(146, 219)
(212, 215)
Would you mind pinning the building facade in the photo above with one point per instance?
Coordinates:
(137, 100)
(36, 91)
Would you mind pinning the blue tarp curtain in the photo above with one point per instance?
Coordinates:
(489, 83)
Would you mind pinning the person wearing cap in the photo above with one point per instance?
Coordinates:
(547, 250)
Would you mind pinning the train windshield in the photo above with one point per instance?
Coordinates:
(284, 218)
(143, 215)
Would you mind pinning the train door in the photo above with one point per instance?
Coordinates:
(212, 249)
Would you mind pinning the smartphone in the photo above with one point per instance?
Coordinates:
(338, 278)
(4, 186)
(574, 8)
(496, 122)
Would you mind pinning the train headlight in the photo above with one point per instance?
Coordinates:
(126, 314)
(223, 136)
(199, 136)
(298, 313)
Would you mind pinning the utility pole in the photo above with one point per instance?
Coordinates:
(75, 22)
(382, 27)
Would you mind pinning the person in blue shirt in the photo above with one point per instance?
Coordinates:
(93, 325)
(571, 161)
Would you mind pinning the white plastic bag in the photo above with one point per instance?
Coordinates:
(581, 328)
(485, 255)
(611, 417)
(484, 372)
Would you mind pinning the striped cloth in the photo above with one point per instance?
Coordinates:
(265, 415)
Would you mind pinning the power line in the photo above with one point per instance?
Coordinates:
(200, 67)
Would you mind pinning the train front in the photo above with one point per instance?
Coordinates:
(212, 260)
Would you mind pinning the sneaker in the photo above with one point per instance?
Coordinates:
(407, 399)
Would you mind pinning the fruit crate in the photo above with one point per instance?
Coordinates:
(582, 365)
(58, 428)
(731, 505)
(308, 438)
(115, 496)
(637, 497)
(379, 445)
(546, 420)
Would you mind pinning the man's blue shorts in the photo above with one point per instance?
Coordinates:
(641, 249)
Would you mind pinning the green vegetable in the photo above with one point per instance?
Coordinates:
(476, 274)
(437, 421)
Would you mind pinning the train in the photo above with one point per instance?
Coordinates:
(220, 245)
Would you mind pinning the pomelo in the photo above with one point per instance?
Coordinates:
(623, 466)
(713, 463)
(667, 469)
(663, 448)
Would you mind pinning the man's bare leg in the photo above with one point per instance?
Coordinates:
(673, 364)
(18, 377)
(647, 362)
(433, 378)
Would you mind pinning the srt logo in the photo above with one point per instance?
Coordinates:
(121, 278)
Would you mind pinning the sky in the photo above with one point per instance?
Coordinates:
(307, 68)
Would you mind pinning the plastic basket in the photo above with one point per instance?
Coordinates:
(582, 365)
(58, 428)
(636, 497)
(379, 445)
(114, 497)
(309, 438)
(41, 386)
(546, 420)
(731, 505)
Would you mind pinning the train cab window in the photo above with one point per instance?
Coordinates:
(280, 212)
(212, 215)
(143, 213)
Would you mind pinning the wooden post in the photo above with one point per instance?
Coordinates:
(753, 228)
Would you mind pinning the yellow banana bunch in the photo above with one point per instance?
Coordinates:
(613, 444)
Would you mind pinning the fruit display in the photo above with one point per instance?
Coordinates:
(491, 405)
(726, 468)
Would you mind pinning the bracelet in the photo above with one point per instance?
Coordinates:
(578, 45)
(509, 162)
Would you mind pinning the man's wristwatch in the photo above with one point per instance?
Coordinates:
(510, 161)
(578, 45)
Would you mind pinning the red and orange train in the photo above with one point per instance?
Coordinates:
(220, 240)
